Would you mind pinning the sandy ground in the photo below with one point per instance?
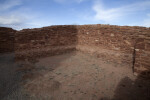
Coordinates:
(72, 76)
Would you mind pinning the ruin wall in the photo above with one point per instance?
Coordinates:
(6, 39)
(46, 41)
(120, 44)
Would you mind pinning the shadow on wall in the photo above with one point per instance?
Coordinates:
(7, 75)
(6, 39)
(30, 46)
(128, 89)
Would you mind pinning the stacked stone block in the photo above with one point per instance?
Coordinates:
(6, 39)
(32, 43)
(120, 44)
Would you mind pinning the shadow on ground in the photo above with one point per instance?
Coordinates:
(128, 89)
(17, 78)
(52, 78)
(9, 79)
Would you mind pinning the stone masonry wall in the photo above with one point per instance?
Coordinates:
(109, 42)
(142, 53)
(6, 39)
(31, 43)
(120, 44)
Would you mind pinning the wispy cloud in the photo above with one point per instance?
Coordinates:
(16, 20)
(19, 18)
(11, 19)
(106, 14)
(20, 14)
(22, 20)
(68, 1)
(146, 21)
(7, 4)
(38, 23)
(110, 15)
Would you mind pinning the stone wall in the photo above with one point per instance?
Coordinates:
(6, 39)
(109, 42)
(142, 53)
(31, 43)
(119, 44)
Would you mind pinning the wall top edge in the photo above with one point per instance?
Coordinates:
(76, 26)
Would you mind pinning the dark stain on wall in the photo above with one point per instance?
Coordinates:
(6, 39)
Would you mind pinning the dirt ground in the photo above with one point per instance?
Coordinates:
(71, 76)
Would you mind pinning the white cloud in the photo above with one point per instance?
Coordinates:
(8, 18)
(105, 14)
(22, 21)
(11, 19)
(146, 21)
(66, 1)
(110, 15)
(19, 18)
(148, 15)
(38, 24)
(15, 20)
(9, 4)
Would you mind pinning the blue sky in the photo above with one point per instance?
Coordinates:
(20, 14)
